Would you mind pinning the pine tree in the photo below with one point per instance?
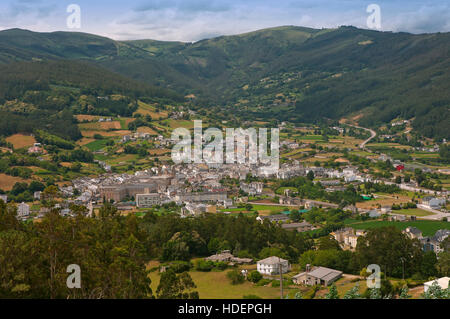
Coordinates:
(375, 293)
(404, 293)
(436, 292)
(332, 293)
(353, 293)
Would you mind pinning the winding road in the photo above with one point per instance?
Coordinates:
(372, 135)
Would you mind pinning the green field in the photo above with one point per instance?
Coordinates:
(311, 137)
(428, 227)
(97, 145)
(270, 209)
(216, 285)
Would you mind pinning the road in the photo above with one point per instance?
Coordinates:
(372, 135)
(438, 215)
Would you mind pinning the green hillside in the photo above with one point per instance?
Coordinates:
(284, 73)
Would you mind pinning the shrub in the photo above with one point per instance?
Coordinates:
(254, 276)
(204, 265)
(236, 277)
(180, 266)
(263, 282)
(220, 265)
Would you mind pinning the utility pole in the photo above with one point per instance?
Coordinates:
(281, 278)
(403, 264)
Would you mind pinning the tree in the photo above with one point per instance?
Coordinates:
(328, 242)
(176, 286)
(436, 292)
(353, 293)
(76, 167)
(374, 293)
(235, 277)
(387, 247)
(443, 264)
(49, 195)
(254, 276)
(298, 295)
(404, 293)
(332, 293)
(8, 217)
(428, 265)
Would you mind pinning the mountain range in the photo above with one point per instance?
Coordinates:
(285, 73)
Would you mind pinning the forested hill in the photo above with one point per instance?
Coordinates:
(285, 73)
(45, 95)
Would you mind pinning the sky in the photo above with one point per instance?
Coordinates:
(193, 20)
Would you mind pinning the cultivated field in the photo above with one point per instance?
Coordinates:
(7, 182)
(147, 109)
(21, 140)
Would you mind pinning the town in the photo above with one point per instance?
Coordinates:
(324, 203)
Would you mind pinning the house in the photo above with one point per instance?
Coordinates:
(413, 232)
(300, 227)
(273, 218)
(442, 282)
(433, 202)
(23, 210)
(37, 195)
(4, 198)
(228, 203)
(386, 209)
(151, 199)
(374, 213)
(226, 256)
(317, 276)
(433, 243)
(272, 265)
(397, 217)
(340, 234)
(348, 237)
(34, 150)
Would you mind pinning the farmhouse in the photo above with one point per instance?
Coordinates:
(271, 266)
(23, 210)
(273, 218)
(317, 276)
(433, 202)
(226, 256)
(413, 232)
(300, 227)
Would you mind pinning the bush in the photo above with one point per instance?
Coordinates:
(254, 276)
(236, 277)
(220, 265)
(263, 282)
(204, 265)
(180, 266)
(312, 292)
(276, 283)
